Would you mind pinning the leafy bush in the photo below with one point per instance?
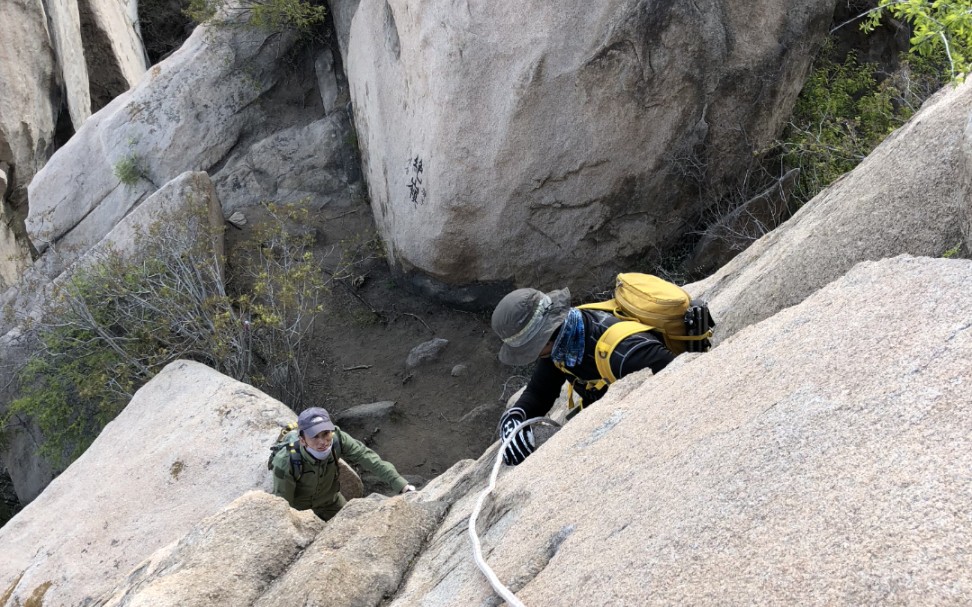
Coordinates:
(281, 296)
(122, 318)
(939, 27)
(273, 15)
(847, 108)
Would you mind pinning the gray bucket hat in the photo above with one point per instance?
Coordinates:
(525, 319)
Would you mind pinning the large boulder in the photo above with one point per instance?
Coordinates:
(342, 14)
(29, 95)
(254, 540)
(57, 58)
(30, 98)
(912, 194)
(53, 57)
(189, 443)
(64, 37)
(312, 162)
(190, 197)
(113, 48)
(185, 116)
(14, 252)
(361, 556)
(222, 103)
(829, 465)
(966, 213)
(817, 457)
(290, 558)
(554, 142)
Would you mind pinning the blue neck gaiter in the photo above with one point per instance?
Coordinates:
(568, 348)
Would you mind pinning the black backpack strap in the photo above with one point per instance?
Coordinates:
(337, 471)
(335, 445)
(296, 461)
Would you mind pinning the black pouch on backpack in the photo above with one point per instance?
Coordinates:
(698, 321)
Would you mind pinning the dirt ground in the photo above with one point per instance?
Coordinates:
(445, 409)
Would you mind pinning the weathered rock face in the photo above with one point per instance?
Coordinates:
(966, 212)
(56, 57)
(223, 103)
(113, 50)
(189, 443)
(29, 94)
(351, 560)
(693, 486)
(498, 149)
(189, 195)
(342, 13)
(14, 253)
(707, 487)
(191, 131)
(360, 557)
(910, 195)
(312, 162)
(65, 37)
(178, 575)
(30, 98)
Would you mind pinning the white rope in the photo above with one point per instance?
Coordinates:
(498, 586)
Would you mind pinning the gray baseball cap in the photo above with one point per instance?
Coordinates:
(525, 319)
(313, 421)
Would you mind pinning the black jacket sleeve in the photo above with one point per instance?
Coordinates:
(543, 389)
(640, 351)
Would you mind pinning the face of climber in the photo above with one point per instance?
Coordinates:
(318, 442)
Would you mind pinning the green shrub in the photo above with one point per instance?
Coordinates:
(953, 252)
(272, 15)
(121, 318)
(847, 108)
(939, 28)
(128, 170)
(281, 295)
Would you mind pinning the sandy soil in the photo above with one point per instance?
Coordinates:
(446, 409)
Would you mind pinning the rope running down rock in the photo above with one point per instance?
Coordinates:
(498, 586)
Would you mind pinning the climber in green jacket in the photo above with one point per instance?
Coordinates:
(305, 472)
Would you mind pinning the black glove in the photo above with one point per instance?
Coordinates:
(523, 444)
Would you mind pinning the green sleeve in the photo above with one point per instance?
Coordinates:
(284, 483)
(356, 453)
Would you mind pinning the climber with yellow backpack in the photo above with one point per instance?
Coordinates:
(645, 325)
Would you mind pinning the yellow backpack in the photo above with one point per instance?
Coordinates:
(645, 302)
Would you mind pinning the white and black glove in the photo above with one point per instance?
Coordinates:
(523, 444)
